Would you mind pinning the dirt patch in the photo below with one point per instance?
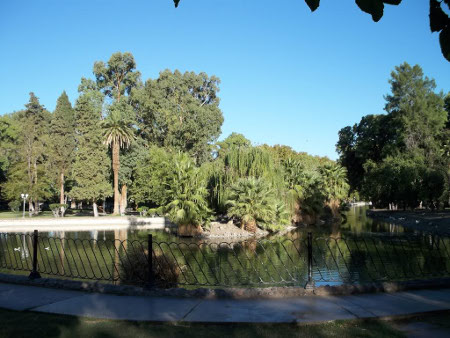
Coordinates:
(230, 230)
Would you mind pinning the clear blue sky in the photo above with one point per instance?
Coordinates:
(288, 76)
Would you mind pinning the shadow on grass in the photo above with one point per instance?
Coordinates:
(32, 324)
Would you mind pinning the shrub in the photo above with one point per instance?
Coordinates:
(252, 202)
(134, 269)
(57, 209)
(14, 205)
(143, 211)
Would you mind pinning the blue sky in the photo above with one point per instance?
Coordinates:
(288, 76)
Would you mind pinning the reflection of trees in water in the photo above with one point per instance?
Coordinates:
(280, 259)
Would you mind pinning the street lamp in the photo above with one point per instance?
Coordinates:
(24, 197)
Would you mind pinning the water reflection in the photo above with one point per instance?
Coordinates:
(370, 255)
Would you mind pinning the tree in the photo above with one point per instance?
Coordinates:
(373, 138)
(28, 173)
(417, 110)
(334, 186)
(62, 142)
(186, 192)
(151, 172)
(252, 202)
(118, 133)
(91, 167)
(414, 128)
(181, 111)
(234, 140)
(9, 136)
(118, 76)
(439, 20)
(116, 79)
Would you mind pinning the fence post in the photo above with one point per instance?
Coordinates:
(150, 262)
(310, 284)
(34, 273)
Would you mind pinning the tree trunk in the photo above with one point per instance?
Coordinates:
(94, 207)
(30, 207)
(123, 200)
(116, 166)
(61, 194)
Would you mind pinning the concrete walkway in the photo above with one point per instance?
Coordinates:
(301, 310)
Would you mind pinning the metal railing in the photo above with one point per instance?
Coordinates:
(306, 260)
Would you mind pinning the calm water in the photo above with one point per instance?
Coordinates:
(357, 250)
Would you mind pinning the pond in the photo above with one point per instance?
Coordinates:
(358, 250)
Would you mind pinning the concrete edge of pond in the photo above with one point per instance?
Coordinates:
(83, 223)
(230, 293)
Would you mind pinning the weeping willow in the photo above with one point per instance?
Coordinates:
(243, 162)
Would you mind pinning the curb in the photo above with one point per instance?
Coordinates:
(227, 293)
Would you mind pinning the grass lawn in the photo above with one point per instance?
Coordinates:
(32, 324)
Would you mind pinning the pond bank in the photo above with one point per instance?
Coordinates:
(422, 220)
(83, 223)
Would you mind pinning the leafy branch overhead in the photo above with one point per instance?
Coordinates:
(439, 20)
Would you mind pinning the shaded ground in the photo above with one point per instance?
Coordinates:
(423, 220)
(32, 324)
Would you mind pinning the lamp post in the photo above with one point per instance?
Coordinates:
(24, 197)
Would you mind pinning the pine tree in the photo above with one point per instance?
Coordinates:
(91, 167)
(30, 175)
(62, 141)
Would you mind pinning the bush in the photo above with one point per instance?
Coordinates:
(134, 269)
(143, 211)
(58, 210)
(14, 205)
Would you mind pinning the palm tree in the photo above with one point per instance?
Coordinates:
(187, 192)
(335, 185)
(252, 201)
(118, 133)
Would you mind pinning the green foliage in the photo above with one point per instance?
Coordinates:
(334, 182)
(186, 193)
(118, 126)
(151, 172)
(91, 167)
(234, 140)
(252, 201)
(28, 173)
(399, 158)
(181, 111)
(58, 209)
(143, 211)
(118, 76)
(62, 140)
(15, 205)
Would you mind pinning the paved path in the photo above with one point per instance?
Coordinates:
(301, 310)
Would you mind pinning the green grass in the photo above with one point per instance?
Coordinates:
(32, 324)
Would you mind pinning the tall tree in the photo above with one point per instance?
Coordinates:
(118, 76)
(29, 175)
(9, 136)
(181, 111)
(91, 167)
(116, 79)
(62, 142)
(118, 133)
(417, 109)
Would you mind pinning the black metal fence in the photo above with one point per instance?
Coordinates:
(306, 260)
